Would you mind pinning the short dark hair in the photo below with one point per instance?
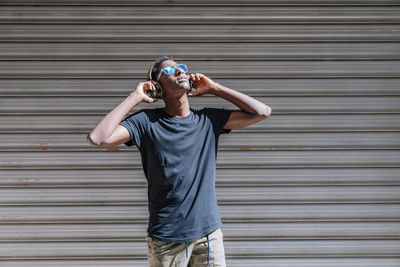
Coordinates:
(155, 71)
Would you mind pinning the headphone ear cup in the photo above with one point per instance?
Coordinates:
(159, 90)
(191, 86)
(157, 93)
(192, 89)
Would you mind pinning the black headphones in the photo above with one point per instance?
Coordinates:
(158, 92)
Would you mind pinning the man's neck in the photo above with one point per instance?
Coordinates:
(177, 107)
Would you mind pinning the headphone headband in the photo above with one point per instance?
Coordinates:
(157, 63)
(149, 73)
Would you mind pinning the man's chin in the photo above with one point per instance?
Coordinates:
(184, 86)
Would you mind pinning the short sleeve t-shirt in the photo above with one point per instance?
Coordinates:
(179, 160)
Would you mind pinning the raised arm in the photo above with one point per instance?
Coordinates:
(108, 132)
(251, 110)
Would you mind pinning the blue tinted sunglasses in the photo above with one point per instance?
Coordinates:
(171, 70)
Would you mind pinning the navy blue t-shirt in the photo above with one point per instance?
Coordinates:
(179, 160)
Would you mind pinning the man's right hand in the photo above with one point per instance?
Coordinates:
(141, 89)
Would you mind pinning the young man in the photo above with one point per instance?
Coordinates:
(178, 146)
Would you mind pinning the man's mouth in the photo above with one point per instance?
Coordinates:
(181, 79)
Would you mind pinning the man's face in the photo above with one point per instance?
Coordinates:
(176, 83)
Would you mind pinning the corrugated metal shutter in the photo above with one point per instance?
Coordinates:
(316, 184)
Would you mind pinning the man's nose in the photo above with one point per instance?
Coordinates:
(178, 71)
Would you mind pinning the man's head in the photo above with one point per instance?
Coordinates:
(155, 70)
(175, 84)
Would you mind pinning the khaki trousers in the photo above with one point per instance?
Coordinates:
(205, 251)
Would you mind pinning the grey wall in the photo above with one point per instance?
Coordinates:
(315, 184)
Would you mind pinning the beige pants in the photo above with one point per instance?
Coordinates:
(195, 253)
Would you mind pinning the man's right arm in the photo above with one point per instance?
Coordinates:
(108, 132)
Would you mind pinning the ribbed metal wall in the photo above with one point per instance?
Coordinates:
(316, 184)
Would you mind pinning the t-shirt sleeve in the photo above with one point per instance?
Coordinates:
(136, 126)
(219, 117)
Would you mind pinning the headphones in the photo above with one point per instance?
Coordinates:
(158, 92)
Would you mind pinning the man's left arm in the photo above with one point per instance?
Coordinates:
(251, 110)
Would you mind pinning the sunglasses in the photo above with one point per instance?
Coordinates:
(168, 70)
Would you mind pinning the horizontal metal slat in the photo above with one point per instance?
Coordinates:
(260, 87)
(217, 69)
(231, 177)
(238, 195)
(315, 262)
(234, 141)
(194, 51)
(304, 105)
(197, 2)
(277, 248)
(56, 214)
(236, 261)
(275, 123)
(231, 231)
(198, 33)
(226, 159)
(79, 263)
(199, 14)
